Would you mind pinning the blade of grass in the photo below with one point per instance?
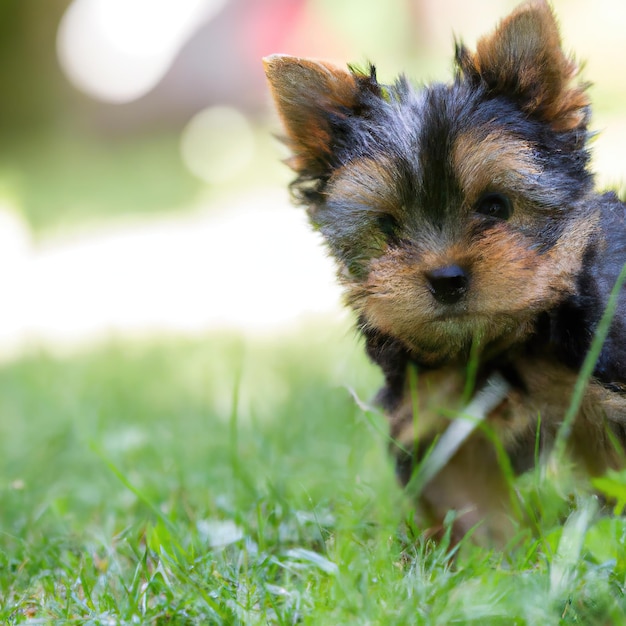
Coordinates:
(134, 490)
(472, 370)
(413, 374)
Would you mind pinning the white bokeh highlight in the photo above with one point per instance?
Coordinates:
(217, 144)
(252, 266)
(118, 50)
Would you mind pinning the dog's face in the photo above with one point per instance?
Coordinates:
(456, 212)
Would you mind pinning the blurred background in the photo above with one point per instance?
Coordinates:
(141, 187)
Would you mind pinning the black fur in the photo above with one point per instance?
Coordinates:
(576, 321)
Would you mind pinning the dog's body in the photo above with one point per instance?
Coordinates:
(470, 241)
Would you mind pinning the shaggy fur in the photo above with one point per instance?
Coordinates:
(469, 239)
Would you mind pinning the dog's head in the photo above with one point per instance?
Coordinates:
(456, 212)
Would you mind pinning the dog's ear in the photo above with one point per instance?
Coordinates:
(524, 60)
(315, 100)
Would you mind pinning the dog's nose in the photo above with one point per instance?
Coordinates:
(447, 284)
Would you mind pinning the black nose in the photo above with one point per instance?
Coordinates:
(447, 284)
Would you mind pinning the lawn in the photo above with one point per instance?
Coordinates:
(231, 480)
(235, 480)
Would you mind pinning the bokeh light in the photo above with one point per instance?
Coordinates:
(217, 143)
(117, 50)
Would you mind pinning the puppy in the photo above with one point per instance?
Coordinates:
(473, 247)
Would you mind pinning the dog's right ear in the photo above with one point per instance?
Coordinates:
(314, 99)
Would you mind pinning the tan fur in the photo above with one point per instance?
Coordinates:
(304, 90)
(525, 52)
(490, 160)
(367, 182)
(499, 306)
(473, 482)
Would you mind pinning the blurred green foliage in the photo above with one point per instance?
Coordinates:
(55, 181)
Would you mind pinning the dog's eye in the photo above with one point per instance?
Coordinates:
(495, 205)
(387, 224)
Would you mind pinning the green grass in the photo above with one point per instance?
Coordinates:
(231, 481)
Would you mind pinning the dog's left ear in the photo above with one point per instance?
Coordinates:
(316, 101)
(524, 60)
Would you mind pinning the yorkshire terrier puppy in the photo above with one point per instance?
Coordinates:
(471, 244)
